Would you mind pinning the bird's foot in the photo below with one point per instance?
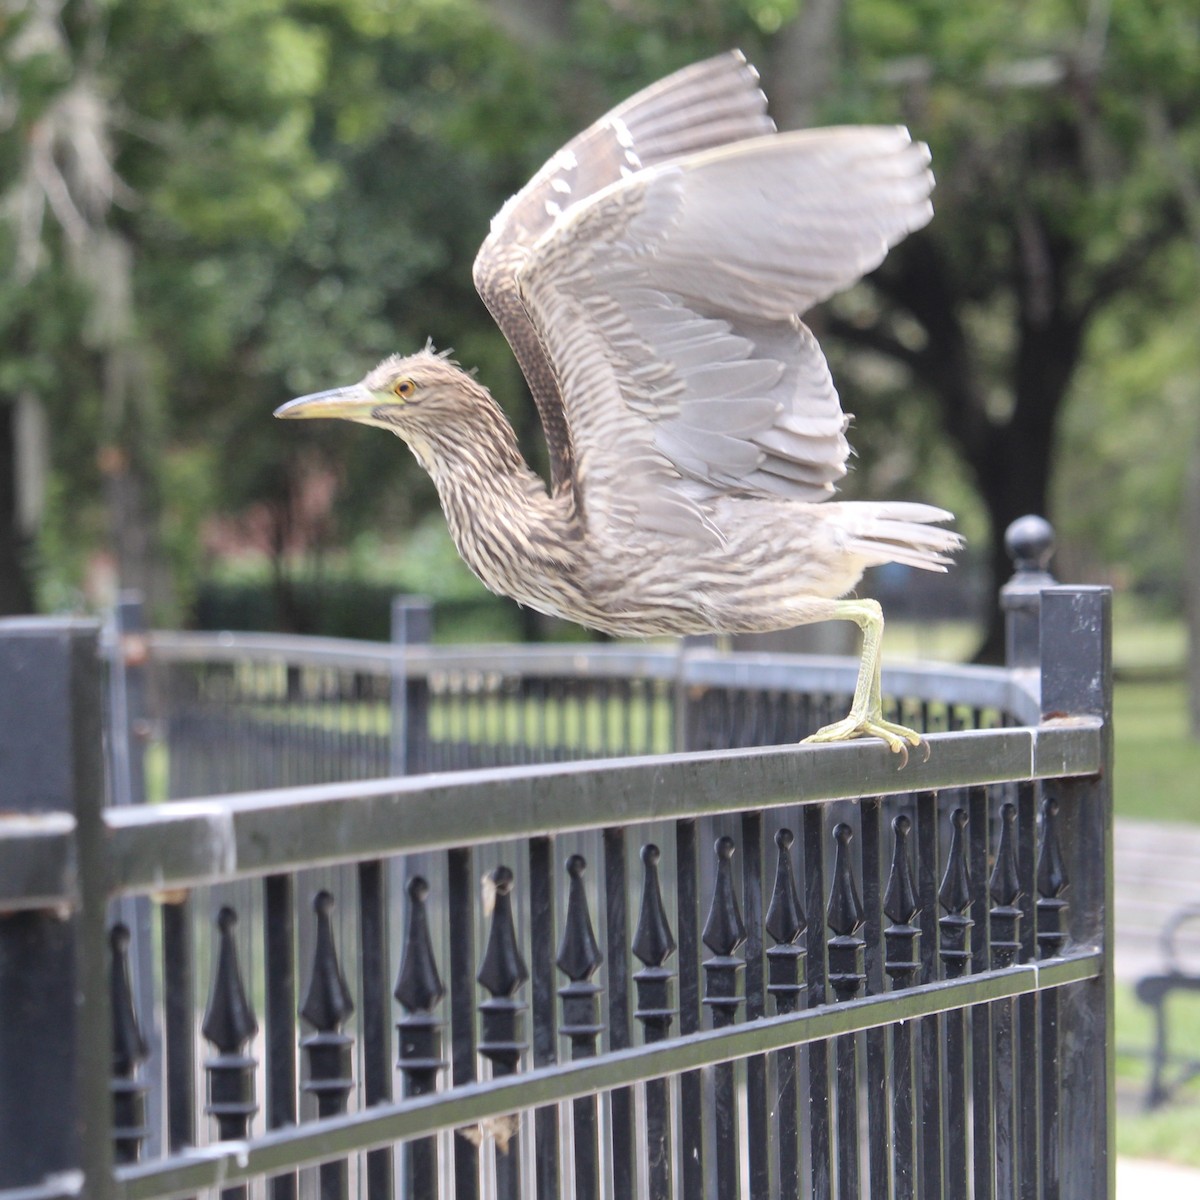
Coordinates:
(872, 724)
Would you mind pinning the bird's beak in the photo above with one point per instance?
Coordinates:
(353, 403)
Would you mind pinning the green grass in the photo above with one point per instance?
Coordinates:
(930, 641)
(1169, 1132)
(643, 725)
(1147, 646)
(1157, 763)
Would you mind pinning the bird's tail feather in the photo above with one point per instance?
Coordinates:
(899, 532)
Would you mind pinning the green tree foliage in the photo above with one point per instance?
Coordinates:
(265, 196)
(1058, 132)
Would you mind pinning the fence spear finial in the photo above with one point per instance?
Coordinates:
(229, 1023)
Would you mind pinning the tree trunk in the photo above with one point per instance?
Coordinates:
(803, 63)
(16, 589)
(1012, 469)
(1009, 456)
(1011, 486)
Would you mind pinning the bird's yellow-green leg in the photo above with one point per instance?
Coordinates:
(866, 712)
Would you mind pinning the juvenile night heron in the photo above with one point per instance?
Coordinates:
(649, 279)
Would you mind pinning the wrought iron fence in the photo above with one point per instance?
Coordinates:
(237, 712)
(747, 970)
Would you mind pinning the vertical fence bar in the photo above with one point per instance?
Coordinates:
(374, 1018)
(460, 880)
(280, 1016)
(229, 1024)
(327, 1006)
(955, 950)
(179, 1021)
(930, 1043)
(578, 958)
(418, 1032)
(653, 944)
(545, 1049)
(982, 1139)
(616, 933)
(412, 625)
(127, 699)
(785, 922)
(691, 1127)
(1005, 947)
(901, 905)
(876, 1038)
(844, 915)
(758, 1132)
(724, 932)
(503, 971)
(1028, 1119)
(129, 731)
(1077, 679)
(820, 1138)
(1051, 935)
(128, 1053)
(93, 1024)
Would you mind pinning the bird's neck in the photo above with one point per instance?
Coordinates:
(475, 453)
(496, 506)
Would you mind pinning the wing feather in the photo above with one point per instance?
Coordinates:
(668, 304)
(741, 417)
(699, 107)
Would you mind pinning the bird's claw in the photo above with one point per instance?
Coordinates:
(898, 738)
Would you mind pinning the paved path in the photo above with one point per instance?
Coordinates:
(1142, 1179)
(1157, 868)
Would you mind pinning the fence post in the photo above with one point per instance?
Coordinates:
(55, 1020)
(1076, 678)
(1030, 544)
(127, 697)
(689, 697)
(129, 731)
(412, 625)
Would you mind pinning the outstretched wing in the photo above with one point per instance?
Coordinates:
(668, 302)
(704, 105)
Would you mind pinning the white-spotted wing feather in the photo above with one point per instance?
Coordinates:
(668, 306)
(699, 107)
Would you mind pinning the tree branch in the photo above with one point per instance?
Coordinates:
(872, 337)
(918, 281)
(1123, 272)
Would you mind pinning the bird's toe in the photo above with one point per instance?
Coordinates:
(897, 738)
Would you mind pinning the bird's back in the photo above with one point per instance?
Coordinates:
(771, 558)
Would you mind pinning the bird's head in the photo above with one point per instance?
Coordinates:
(413, 396)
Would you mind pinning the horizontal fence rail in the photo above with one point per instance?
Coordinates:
(237, 712)
(733, 971)
(208, 840)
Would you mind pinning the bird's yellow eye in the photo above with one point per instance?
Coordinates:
(404, 388)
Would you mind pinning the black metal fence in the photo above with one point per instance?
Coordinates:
(737, 969)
